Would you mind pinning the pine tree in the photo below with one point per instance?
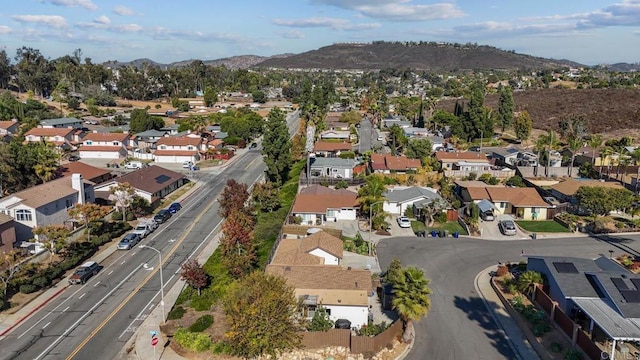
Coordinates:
(276, 147)
(505, 107)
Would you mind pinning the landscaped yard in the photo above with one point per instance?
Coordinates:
(450, 226)
(549, 226)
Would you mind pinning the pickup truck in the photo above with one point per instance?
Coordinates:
(84, 273)
(144, 228)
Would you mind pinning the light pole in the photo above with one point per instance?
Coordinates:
(161, 279)
(370, 225)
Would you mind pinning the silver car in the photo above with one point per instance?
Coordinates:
(507, 227)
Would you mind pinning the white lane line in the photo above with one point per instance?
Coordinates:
(34, 325)
(110, 272)
(65, 309)
(81, 296)
(45, 325)
(96, 284)
(123, 261)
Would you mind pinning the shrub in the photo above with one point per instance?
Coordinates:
(28, 288)
(117, 215)
(41, 281)
(192, 341)
(176, 313)
(540, 329)
(502, 270)
(556, 348)
(573, 354)
(512, 288)
(201, 303)
(221, 347)
(201, 324)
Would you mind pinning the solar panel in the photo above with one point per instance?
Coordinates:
(565, 268)
(631, 296)
(636, 283)
(620, 284)
(162, 178)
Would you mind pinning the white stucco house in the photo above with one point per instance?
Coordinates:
(97, 145)
(318, 204)
(402, 197)
(336, 168)
(46, 204)
(178, 149)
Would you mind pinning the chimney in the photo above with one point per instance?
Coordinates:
(78, 184)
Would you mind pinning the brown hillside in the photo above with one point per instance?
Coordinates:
(614, 112)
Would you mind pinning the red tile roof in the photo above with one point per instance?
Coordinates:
(87, 171)
(103, 137)
(332, 146)
(518, 197)
(318, 200)
(179, 141)
(457, 156)
(48, 132)
(394, 163)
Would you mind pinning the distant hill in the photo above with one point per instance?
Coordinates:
(621, 67)
(234, 62)
(419, 56)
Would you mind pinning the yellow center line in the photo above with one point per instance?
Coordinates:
(143, 283)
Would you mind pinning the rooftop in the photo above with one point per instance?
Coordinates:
(150, 179)
(297, 251)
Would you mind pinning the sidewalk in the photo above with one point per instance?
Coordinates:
(507, 326)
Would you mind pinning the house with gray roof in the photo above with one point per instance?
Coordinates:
(402, 197)
(148, 139)
(600, 289)
(505, 156)
(336, 168)
(62, 123)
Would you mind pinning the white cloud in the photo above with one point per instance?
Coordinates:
(318, 22)
(397, 10)
(87, 4)
(54, 21)
(4, 30)
(125, 28)
(102, 20)
(291, 34)
(123, 10)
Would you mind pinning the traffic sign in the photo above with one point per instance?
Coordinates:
(154, 341)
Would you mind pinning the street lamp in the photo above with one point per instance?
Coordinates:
(161, 280)
(370, 223)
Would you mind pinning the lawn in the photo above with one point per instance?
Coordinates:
(549, 226)
(450, 226)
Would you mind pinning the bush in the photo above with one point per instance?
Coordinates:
(28, 288)
(201, 303)
(502, 270)
(201, 324)
(41, 281)
(540, 329)
(556, 348)
(192, 341)
(573, 354)
(221, 347)
(117, 215)
(176, 313)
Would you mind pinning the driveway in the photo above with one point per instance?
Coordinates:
(459, 325)
(490, 230)
(396, 230)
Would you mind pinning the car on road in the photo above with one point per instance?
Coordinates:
(162, 216)
(404, 222)
(175, 207)
(253, 146)
(84, 273)
(507, 227)
(74, 158)
(129, 241)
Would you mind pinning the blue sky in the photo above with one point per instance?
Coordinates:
(587, 31)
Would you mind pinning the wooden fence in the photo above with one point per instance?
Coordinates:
(355, 344)
(302, 230)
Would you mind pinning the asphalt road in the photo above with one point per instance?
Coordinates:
(365, 136)
(459, 325)
(95, 320)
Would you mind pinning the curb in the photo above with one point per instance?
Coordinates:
(32, 311)
(409, 347)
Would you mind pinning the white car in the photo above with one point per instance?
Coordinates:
(187, 164)
(133, 165)
(404, 222)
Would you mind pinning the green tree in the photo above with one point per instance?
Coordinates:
(141, 121)
(601, 201)
(351, 117)
(210, 96)
(505, 107)
(516, 181)
(265, 197)
(10, 263)
(522, 125)
(124, 195)
(411, 296)
(398, 139)
(261, 316)
(259, 96)
(595, 142)
(276, 147)
(419, 148)
(321, 320)
(527, 281)
(394, 272)
(88, 213)
(53, 237)
(574, 144)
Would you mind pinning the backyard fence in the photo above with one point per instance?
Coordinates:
(355, 344)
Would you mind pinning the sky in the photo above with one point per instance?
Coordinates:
(590, 32)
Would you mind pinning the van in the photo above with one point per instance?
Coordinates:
(133, 165)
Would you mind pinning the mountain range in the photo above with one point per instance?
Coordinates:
(429, 56)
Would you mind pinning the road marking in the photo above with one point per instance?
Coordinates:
(45, 325)
(81, 296)
(110, 272)
(65, 309)
(133, 254)
(34, 325)
(85, 315)
(123, 261)
(96, 284)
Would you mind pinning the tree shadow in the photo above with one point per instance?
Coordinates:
(476, 311)
(619, 242)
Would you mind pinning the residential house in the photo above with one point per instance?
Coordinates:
(10, 127)
(148, 139)
(319, 248)
(90, 173)
(171, 129)
(599, 293)
(46, 204)
(462, 164)
(62, 138)
(416, 132)
(151, 183)
(62, 123)
(97, 145)
(344, 293)
(388, 123)
(331, 149)
(387, 164)
(565, 190)
(505, 156)
(401, 198)
(336, 168)
(7, 233)
(178, 149)
(319, 204)
(336, 135)
(522, 203)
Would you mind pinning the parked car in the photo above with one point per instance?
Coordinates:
(144, 228)
(507, 227)
(175, 207)
(74, 158)
(404, 222)
(129, 241)
(487, 215)
(133, 165)
(187, 164)
(84, 273)
(253, 146)
(162, 216)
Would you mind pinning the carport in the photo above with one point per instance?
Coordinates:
(486, 205)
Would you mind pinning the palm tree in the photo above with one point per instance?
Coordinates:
(595, 142)
(411, 296)
(635, 155)
(574, 145)
(604, 156)
(550, 140)
(527, 281)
